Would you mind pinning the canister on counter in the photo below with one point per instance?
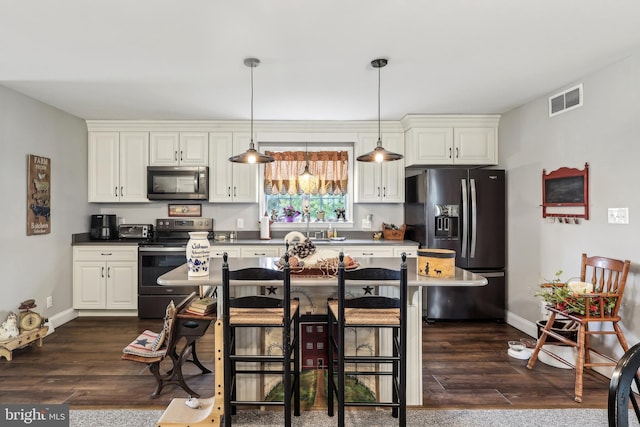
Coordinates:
(436, 262)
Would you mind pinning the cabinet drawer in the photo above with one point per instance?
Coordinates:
(218, 251)
(258, 251)
(105, 253)
(411, 251)
(368, 252)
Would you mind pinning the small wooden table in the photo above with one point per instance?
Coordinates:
(22, 340)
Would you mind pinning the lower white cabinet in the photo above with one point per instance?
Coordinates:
(105, 277)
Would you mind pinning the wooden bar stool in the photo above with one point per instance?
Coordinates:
(261, 312)
(368, 312)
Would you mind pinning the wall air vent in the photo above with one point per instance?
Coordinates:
(566, 100)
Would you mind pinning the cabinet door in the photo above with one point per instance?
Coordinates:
(392, 179)
(134, 159)
(121, 285)
(475, 146)
(429, 146)
(220, 168)
(103, 168)
(244, 188)
(164, 148)
(89, 282)
(194, 149)
(367, 175)
(380, 182)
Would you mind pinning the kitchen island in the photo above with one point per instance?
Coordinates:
(179, 277)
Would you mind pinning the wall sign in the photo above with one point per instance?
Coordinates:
(565, 193)
(38, 195)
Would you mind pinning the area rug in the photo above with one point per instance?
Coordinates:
(371, 418)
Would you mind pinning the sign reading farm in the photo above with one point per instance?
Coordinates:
(38, 195)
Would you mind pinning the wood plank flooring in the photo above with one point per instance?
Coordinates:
(465, 365)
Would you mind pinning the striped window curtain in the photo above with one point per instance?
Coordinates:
(329, 170)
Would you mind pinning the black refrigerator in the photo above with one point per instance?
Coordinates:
(462, 210)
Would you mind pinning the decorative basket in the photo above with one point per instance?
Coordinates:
(390, 234)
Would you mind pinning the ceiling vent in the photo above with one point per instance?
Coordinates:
(566, 100)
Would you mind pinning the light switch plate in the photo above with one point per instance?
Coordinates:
(239, 223)
(618, 215)
(366, 223)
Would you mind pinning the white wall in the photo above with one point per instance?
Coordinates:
(40, 266)
(605, 132)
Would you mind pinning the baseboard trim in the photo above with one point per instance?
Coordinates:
(61, 318)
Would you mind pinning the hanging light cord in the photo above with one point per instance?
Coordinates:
(379, 144)
(252, 67)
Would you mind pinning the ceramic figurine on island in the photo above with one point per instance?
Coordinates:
(198, 254)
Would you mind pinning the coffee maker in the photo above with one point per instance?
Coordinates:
(103, 227)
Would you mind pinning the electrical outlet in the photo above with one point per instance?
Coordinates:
(49, 301)
(366, 223)
(239, 223)
(618, 215)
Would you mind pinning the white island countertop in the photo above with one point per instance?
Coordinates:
(178, 276)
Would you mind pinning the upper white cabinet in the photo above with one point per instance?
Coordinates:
(179, 149)
(379, 182)
(455, 140)
(231, 182)
(117, 170)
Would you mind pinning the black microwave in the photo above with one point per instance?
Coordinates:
(177, 182)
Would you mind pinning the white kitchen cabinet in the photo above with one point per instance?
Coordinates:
(105, 277)
(217, 251)
(411, 251)
(259, 251)
(379, 182)
(231, 182)
(117, 169)
(369, 252)
(451, 146)
(179, 149)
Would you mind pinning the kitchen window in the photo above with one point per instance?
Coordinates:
(323, 195)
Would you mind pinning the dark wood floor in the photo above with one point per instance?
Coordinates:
(465, 366)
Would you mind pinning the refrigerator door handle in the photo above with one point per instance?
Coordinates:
(465, 218)
(474, 218)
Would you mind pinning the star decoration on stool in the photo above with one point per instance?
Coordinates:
(367, 290)
(272, 290)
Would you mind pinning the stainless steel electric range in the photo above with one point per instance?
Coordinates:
(164, 252)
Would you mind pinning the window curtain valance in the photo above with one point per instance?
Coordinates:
(329, 170)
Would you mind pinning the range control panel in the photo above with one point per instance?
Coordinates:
(181, 224)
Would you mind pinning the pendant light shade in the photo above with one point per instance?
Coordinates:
(379, 154)
(251, 155)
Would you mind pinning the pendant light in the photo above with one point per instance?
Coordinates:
(251, 155)
(379, 154)
(306, 174)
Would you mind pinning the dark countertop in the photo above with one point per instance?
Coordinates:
(83, 239)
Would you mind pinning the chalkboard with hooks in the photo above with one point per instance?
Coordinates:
(566, 188)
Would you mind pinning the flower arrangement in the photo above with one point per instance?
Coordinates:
(573, 297)
(290, 211)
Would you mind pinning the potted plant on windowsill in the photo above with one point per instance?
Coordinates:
(290, 213)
